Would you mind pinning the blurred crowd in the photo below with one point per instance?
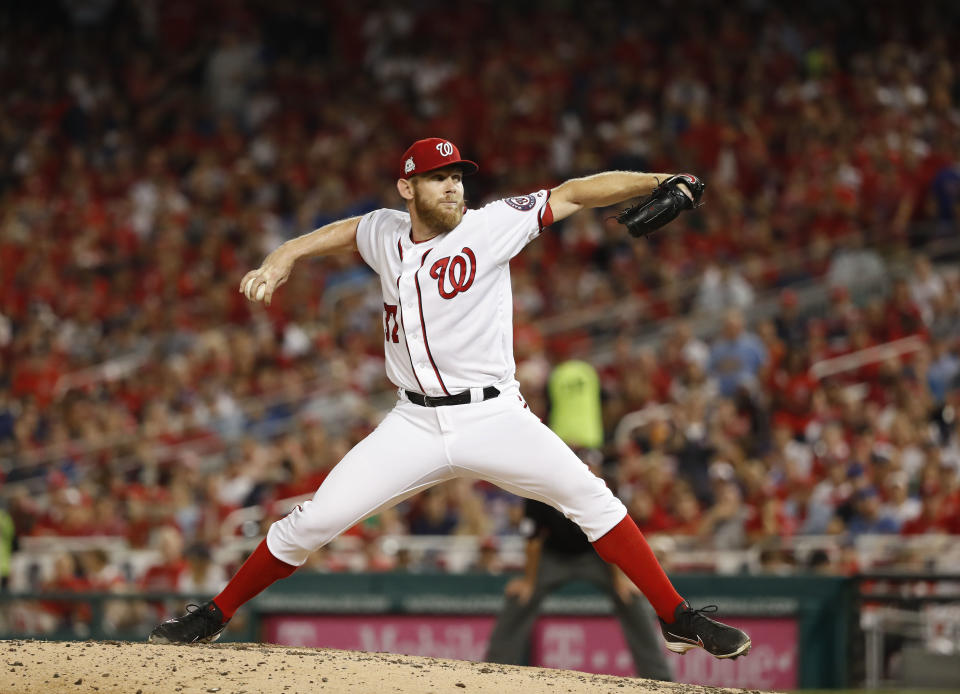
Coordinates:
(155, 151)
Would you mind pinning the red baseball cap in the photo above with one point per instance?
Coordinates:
(433, 153)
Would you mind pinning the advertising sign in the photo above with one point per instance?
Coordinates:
(596, 644)
(588, 644)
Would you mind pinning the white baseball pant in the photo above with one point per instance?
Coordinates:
(499, 440)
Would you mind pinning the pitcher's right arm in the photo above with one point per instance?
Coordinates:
(336, 237)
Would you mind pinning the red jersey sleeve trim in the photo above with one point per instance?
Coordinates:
(545, 218)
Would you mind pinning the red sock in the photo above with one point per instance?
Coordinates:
(626, 547)
(259, 570)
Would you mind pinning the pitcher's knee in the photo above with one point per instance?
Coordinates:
(598, 515)
(302, 531)
(285, 547)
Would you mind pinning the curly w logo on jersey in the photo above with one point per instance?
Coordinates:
(457, 273)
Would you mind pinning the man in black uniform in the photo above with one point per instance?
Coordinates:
(557, 553)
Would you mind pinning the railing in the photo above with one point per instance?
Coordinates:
(110, 370)
(825, 368)
(456, 553)
(871, 355)
(922, 612)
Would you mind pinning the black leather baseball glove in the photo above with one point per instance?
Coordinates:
(662, 205)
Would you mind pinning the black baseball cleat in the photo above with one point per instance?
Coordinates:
(690, 629)
(202, 624)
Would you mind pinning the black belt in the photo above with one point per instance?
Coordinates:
(463, 398)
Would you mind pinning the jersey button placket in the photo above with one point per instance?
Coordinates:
(411, 313)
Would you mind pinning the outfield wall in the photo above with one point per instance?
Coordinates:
(800, 626)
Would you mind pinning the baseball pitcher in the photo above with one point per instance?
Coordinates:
(448, 341)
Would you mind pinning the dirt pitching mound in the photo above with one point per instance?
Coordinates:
(140, 668)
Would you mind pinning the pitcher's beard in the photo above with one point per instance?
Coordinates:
(437, 218)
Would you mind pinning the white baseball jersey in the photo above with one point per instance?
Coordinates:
(447, 301)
